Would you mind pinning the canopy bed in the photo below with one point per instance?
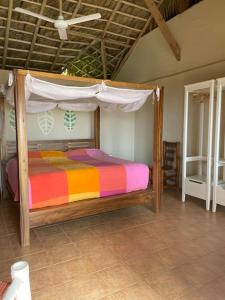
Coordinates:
(107, 95)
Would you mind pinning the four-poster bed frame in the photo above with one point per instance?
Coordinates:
(37, 217)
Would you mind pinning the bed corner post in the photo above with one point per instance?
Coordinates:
(97, 128)
(21, 134)
(157, 154)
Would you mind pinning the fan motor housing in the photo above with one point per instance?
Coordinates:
(61, 23)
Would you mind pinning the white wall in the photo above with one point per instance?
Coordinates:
(200, 34)
(117, 128)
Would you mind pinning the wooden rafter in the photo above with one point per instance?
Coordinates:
(184, 5)
(82, 52)
(103, 56)
(125, 58)
(117, 6)
(38, 23)
(116, 57)
(88, 5)
(106, 54)
(118, 62)
(69, 15)
(120, 27)
(164, 28)
(10, 7)
(56, 56)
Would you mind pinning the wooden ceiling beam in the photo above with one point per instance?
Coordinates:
(118, 55)
(131, 16)
(117, 6)
(74, 33)
(90, 36)
(32, 60)
(120, 36)
(125, 26)
(130, 51)
(82, 52)
(135, 5)
(106, 54)
(93, 6)
(33, 68)
(183, 5)
(38, 23)
(10, 8)
(164, 28)
(56, 56)
(78, 26)
(104, 63)
(102, 30)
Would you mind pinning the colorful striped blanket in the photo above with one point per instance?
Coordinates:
(57, 177)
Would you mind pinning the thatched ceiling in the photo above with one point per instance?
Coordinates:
(26, 42)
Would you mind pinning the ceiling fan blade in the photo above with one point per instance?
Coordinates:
(83, 19)
(30, 13)
(62, 34)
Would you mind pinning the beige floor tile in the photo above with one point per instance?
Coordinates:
(63, 253)
(71, 269)
(197, 273)
(137, 292)
(45, 294)
(6, 250)
(37, 260)
(143, 264)
(168, 284)
(39, 279)
(80, 234)
(56, 240)
(35, 245)
(178, 254)
(215, 290)
(118, 277)
(5, 266)
(45, 232)
(83, 288)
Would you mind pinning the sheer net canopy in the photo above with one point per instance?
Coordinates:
(41, 95)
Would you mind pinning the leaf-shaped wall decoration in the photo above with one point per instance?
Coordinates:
(69, 120)
(46, 122)
(12, 120)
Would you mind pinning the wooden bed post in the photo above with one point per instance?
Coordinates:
(21, 134)
(157, 153)
(97, 128)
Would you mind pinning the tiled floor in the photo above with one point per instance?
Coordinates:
(131, 254)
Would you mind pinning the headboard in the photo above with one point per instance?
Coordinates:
(60, 145)
(9, 148)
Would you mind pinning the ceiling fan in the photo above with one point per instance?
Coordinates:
(61, 24)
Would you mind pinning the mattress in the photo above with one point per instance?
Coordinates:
(57, 177)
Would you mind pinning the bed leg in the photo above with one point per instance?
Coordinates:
(24, 229)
